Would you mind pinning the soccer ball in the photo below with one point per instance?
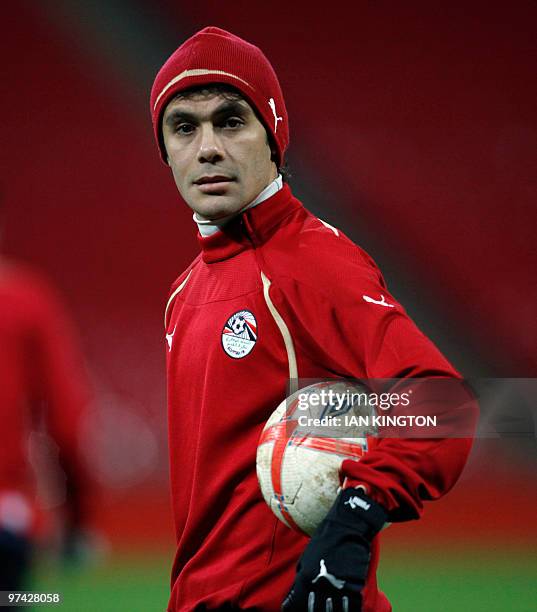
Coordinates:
(302, 446)
(238, 325)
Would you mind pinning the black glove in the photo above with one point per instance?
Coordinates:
(333, 568)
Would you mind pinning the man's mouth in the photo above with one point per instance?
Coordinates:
(217, 178)
(213, 184)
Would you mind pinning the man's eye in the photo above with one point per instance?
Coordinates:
(184, 128)
(233, 122)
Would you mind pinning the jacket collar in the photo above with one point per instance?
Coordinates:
(249, 229)
(207, 227)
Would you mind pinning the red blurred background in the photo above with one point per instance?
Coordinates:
(413, 128)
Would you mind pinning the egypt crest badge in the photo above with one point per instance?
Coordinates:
(239, 334)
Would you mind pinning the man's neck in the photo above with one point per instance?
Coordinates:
(210, 226)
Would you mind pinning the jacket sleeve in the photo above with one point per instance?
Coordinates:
(346, 320)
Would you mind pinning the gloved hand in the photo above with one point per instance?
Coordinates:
(333, 568)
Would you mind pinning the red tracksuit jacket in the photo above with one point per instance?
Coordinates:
(292, 287)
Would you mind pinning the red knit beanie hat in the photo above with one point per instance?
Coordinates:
(213, 55)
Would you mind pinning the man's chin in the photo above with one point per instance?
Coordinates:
(215, 207)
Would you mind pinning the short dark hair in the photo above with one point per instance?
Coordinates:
(231, 93)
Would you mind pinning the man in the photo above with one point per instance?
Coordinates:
(42, 385)
(274, 294)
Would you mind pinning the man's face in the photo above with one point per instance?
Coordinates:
(218, 151)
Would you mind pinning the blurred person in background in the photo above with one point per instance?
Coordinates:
(43, 388)
(275, 294)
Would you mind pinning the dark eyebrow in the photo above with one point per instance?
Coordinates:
(178, 115)
(229, 107)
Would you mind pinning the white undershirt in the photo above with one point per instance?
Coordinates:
(209, 226)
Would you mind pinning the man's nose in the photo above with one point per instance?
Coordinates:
(210, 146)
